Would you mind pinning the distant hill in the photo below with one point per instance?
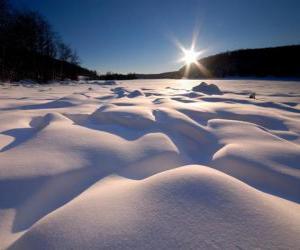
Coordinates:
(31, 49)
(281, 61)
(24, 64)
(173, 74)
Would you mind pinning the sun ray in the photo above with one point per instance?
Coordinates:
(191, 57)
(203, 69)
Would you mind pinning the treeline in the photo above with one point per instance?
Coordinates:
(116, 76)
(165, 75)
(266, 62)
(30, 48)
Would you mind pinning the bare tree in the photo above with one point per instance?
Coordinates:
(29, 47)
(75, 58)
(64, 51)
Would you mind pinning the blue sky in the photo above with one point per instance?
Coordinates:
(138, 35)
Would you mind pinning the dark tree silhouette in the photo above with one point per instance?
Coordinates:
(75, 58)
(116, 76)
(280, 61)
(64, 51)
(265, 62)
(31, 49)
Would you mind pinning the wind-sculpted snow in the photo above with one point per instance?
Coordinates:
(192, 207)
(149, 164)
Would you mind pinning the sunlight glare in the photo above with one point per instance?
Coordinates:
(190, 56)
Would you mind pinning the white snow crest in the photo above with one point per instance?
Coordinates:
(160, 164)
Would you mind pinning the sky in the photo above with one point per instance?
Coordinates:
(140, 35)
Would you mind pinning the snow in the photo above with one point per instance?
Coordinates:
(150, 164)
(209, 89)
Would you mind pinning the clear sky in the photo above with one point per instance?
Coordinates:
(138, 35)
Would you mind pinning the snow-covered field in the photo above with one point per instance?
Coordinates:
(150, 165)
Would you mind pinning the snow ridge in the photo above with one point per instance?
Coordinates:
(129, 167)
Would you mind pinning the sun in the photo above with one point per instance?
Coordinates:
(190, 56)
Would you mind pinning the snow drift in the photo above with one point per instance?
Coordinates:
(91, 166)
(209, 89)
(192, 207)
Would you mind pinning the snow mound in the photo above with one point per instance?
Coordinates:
(50, 118)
(128, 116)
(209, 89)
(274, 170)
(186, 208)
(89, 166)
(135, 93)
(109, 82)
(120, 91)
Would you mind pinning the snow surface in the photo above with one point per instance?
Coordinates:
(209, 89)
(150, 164)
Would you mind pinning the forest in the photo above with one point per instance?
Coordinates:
(280, 61)
(30, 48)
(274, 62)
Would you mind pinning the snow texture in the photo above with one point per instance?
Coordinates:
(209, 89)
(150, 164)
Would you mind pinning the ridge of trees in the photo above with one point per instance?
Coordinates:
(117, 76)
(30, 48)
(277, 62)
(280, 61)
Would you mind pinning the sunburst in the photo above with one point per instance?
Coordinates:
(191, 57)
